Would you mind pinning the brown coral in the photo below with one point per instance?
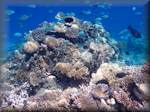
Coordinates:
(30, 47)
(106, 71)
(75, 71)
(52, 42)
(64, 68)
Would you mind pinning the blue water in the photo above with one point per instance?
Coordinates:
(118, 18)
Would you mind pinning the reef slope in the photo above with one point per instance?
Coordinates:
(71, 65)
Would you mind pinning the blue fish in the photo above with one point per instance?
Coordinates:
(10, 12)
(134, 32)
(17, 34)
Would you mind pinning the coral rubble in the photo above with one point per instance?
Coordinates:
(69, 65)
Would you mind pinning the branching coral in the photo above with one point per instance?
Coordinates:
(123, 98)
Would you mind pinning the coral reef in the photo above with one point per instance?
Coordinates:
(69, 65)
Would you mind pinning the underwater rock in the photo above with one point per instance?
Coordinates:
(30, 47)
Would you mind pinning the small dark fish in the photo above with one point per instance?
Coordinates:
(127, 53)
(134, 32)
(68, 19)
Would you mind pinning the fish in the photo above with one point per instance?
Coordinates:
(32, 6)
(135, 33)
(98, 20)
(133, 8)
(24, 17)
(17, 34)
(10, 12)
(104, 5)
(105, 16)
(127, 53)
(101, 6)
(86, 12)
